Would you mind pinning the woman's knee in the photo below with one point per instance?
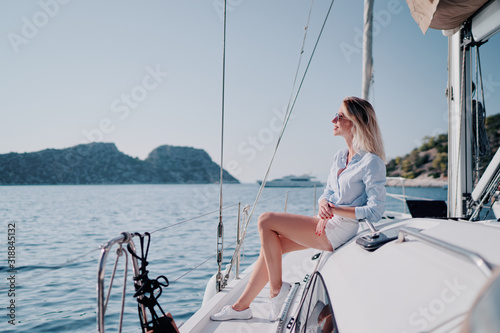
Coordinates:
(265, 219)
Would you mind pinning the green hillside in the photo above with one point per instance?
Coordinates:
(103, 163)
(431, 158)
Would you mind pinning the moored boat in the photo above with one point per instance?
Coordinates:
(293, 181)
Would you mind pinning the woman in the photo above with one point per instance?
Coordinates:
(355, 190)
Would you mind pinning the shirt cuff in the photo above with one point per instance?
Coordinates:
(360, 213)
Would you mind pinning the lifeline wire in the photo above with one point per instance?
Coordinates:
(200, 264)
(287, 117)
(214, 211)
(68, 262)
(191, 219)
(71, 261)
(226, 207)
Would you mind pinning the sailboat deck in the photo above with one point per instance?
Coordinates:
(295, 267)
(420, 286)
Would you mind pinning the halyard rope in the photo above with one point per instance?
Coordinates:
(285, 122)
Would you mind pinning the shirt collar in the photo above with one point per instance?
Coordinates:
(358, 156)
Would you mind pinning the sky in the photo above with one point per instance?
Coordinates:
(142, 74)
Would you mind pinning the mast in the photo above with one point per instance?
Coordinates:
(478, 29)
(460, 163)
(367, 69)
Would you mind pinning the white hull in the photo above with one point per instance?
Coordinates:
(437, 291)
(293, 181)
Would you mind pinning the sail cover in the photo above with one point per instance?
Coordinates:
(442, 14)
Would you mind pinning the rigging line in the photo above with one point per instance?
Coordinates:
(71, 261)
(204, 261)
(287, 117)
(220, 239)
(222, 112)
(483, 101)
(470, 145)
(192, 269)
(306, 29)
(476, 130)
(67, 263)
(211, 212)
(480, 79)
(200, 264)
(461, 107)
(217, 210)
(289, 113)
(193, 218)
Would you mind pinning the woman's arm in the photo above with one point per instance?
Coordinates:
(349, 212)
(374, 180)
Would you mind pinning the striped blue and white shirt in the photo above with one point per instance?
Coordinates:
(360, 185)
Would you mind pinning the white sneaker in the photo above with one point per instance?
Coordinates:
(228, 313)
(276, 302)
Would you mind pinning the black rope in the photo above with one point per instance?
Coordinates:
(148, 291)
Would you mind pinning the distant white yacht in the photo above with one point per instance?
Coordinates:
(293, 181)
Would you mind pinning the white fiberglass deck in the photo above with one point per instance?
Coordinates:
(401, 287)
(296, 266)
(410, 286)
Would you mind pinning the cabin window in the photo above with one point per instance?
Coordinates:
(316, 314)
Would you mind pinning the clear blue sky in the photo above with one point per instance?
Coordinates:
(146, 73)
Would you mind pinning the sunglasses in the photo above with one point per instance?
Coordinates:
(338, 117)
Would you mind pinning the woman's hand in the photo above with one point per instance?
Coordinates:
(320, 227)
(325, 209)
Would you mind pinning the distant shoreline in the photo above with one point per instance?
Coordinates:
(422, 181)
(417, 182)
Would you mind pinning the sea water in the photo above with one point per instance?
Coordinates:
(55, 234)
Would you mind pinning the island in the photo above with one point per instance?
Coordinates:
(103, 163)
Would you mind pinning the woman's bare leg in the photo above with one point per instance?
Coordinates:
(271, 223)
(297, 228)
(259, 277)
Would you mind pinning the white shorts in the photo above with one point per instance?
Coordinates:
(340, 229)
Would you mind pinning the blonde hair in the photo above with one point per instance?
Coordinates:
(365, 130)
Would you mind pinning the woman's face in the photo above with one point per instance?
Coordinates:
(341, 125)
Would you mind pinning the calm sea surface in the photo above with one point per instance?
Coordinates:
(58, 230)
